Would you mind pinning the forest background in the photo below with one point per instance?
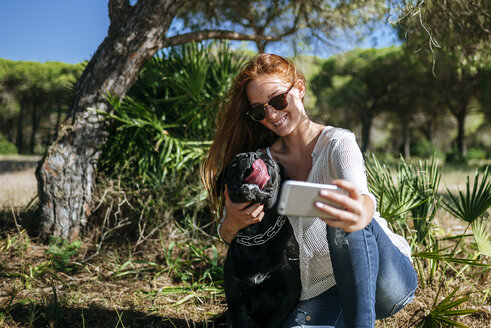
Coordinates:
(150, 235)
(410, 107)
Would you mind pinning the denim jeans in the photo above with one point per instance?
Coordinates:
(374, 280)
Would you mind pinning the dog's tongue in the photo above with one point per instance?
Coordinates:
(259, 175)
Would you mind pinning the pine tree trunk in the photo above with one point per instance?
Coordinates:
(19, 140)
(460, 112)
(366, 125)
(461, 132)
(35, 125)
(407, 141)
(67, 171)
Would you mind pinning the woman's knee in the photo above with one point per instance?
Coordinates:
(386, 307)
(395, 292)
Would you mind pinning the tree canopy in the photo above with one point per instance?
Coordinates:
(268, 21)
(391, 85)
(453, 39)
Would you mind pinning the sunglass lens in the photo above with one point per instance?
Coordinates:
(257, 112)
(279, 102)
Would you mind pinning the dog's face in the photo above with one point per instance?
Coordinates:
(253, 177)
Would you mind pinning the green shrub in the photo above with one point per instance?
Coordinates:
(476, 153)
(62, 253)
(455, 157)
(6, 147)
(424, 149)
(169, 116)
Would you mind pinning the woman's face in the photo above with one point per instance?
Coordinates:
(282, 122)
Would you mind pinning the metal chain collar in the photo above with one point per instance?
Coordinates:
(262, 238)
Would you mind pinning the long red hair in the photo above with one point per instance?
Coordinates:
(236, 132)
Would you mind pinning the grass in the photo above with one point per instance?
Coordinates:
(172, 280)
(118, 288)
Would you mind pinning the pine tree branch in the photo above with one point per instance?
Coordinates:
(214, 34)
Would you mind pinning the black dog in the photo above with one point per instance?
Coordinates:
(262, 275)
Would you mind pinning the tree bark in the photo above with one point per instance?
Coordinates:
(66, 172)
(461, 131)
(261, 46)
(215, 34)
(57, 124)
(459, 111)
(366, 125)
(19, 140)
(407, 141)
(35, 125)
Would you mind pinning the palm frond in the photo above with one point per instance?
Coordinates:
(469, 206)
(450, 258)
(482, 235)
(441, 314)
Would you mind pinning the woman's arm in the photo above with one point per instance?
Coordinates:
(238, 216)
(348, 167)
(357, 212)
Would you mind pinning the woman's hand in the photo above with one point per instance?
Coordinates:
(238, 216)
(357, 209)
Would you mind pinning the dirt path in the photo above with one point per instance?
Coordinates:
(18, 184)
(17, 188)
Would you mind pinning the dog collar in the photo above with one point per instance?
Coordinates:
(261, 238)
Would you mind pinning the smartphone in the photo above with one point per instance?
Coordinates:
(298, 198)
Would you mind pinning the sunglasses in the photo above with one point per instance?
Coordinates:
(279, 102)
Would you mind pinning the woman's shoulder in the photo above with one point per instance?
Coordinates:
(332, 134)
(336, 140)
(336, 132)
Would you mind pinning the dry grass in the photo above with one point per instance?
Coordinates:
(91, 295)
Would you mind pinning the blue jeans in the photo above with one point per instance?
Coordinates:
(374, 280)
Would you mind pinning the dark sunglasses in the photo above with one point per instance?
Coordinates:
(279, 102)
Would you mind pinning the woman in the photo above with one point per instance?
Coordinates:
(361, 271)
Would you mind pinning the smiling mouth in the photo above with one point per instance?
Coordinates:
(278, 123)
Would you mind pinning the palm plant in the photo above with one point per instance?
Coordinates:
(471, 207)
(166, 121)
(395, 192)
(482, 236)
(161, 131)
(410, 194)
(442, 313)
(425, 179)
(147, 144)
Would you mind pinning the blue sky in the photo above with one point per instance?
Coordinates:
(52, 30)
(71, 30)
